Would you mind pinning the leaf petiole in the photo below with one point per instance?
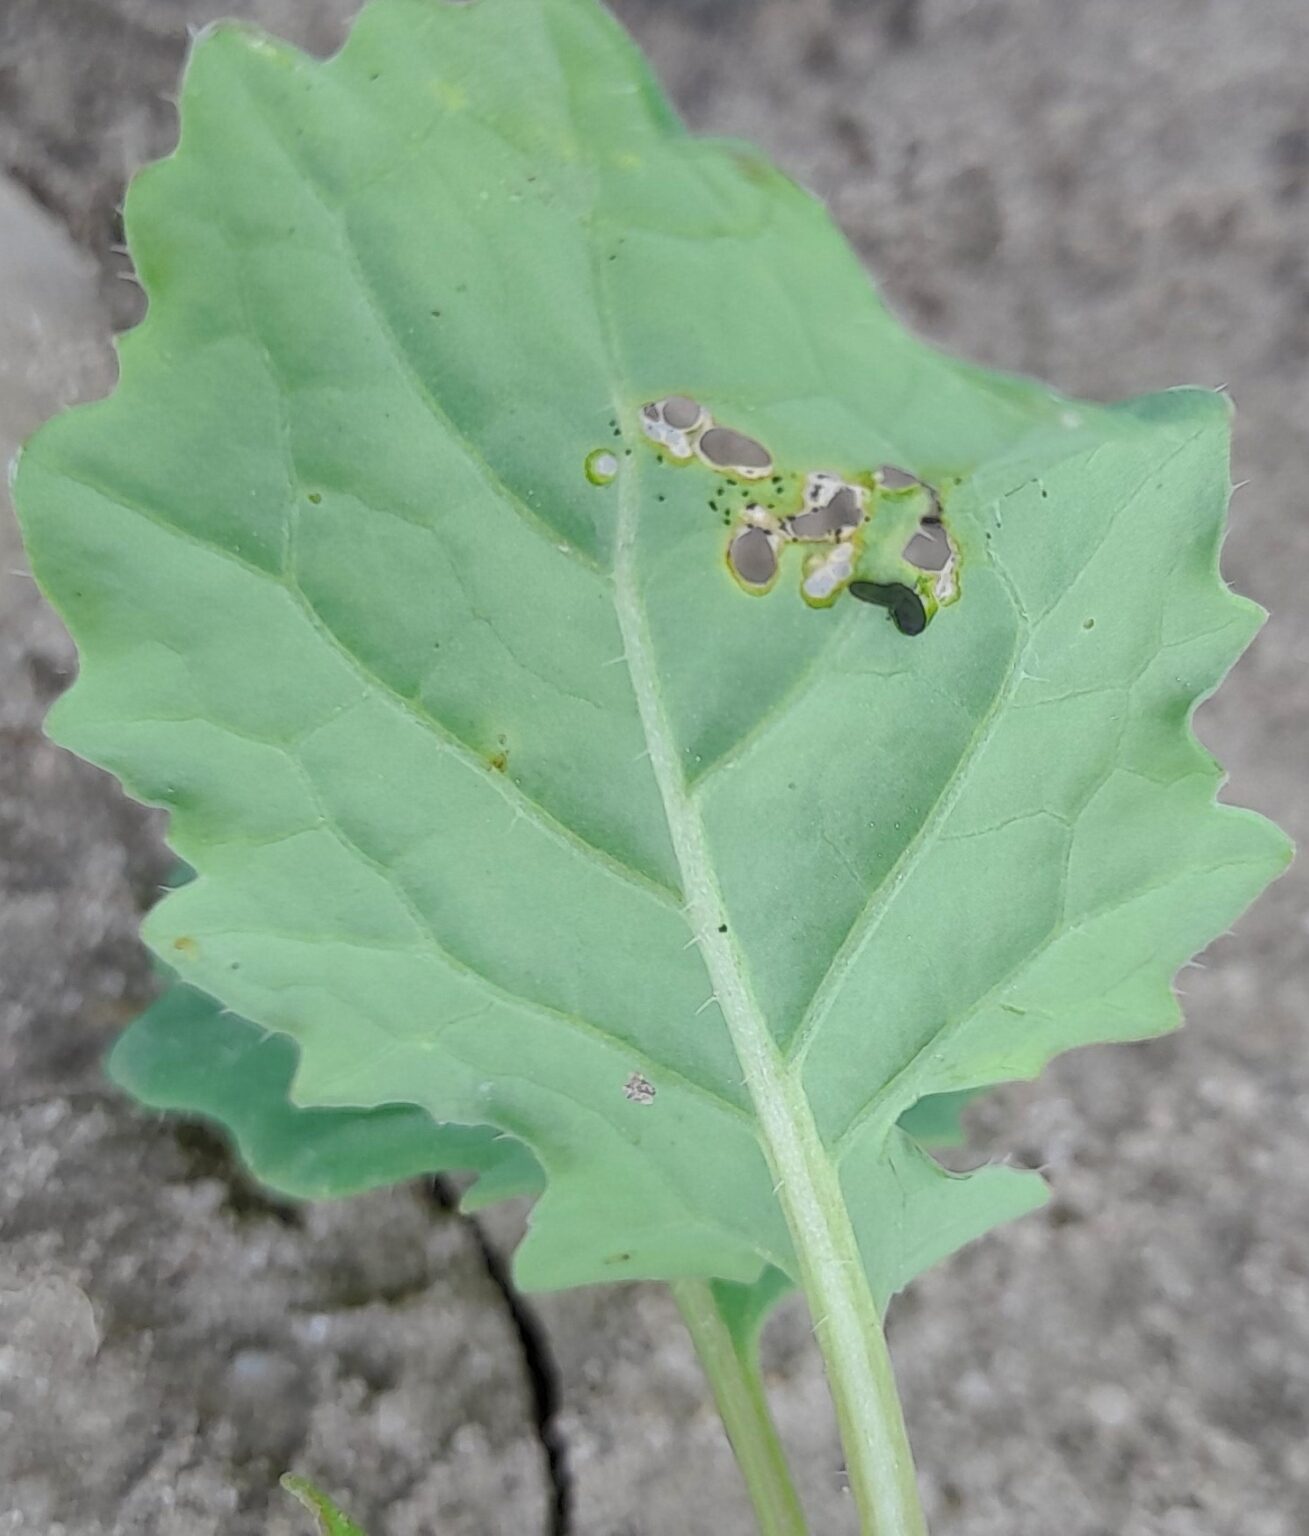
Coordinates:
(846, 1319)
(731, 1364)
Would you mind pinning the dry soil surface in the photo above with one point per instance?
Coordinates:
(1112, 195)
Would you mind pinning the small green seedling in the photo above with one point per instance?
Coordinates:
(647, 729)
(330, 1520)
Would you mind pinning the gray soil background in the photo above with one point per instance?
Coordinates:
(1110, 194)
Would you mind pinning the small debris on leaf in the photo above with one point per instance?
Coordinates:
(640, 1090)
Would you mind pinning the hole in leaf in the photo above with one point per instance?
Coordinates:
(727, 449)
(682, 412)
(832, 508)
(929, 548)
(810, 525)
(672, 431)
(892, 479)
(752, 555)
(844, 508)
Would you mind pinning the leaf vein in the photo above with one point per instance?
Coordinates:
(386, 329)
(446, 739)
(427, 933)
(870, 915)
(893, 1093)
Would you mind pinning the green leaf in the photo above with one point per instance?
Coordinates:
(745, 1308)
(188, 1054)
(331, 1522)
(185, 1053)
(506, 800)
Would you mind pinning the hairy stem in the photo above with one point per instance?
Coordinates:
(831, 1269)
(733, 1371)
(846, 1320)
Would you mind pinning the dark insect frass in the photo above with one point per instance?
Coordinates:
(903, 603)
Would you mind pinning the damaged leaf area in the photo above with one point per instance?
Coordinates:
(846, 528)
(615, 686)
